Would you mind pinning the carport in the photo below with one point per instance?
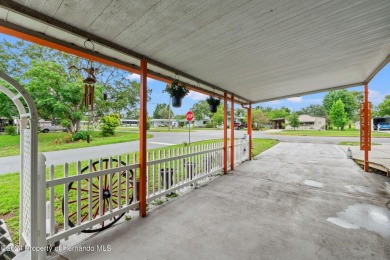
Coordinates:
(242, 51)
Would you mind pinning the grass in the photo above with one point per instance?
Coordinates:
(9, 186)
(332, 133)
(57, 141)
(354, 143)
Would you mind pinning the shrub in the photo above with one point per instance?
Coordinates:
(109, 123)
(81, 135)
(209, 124)
(10, 130)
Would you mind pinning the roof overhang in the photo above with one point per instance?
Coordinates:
(256, 50)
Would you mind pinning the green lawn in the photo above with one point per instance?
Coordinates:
(334, 133)
(9, 145)
(9, 186)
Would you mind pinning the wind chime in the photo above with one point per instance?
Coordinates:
(89, 89)
(89, 85)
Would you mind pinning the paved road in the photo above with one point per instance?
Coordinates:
(11, 164)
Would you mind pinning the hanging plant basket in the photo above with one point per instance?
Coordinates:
(176, 101)
(214, 103)
(177, 92)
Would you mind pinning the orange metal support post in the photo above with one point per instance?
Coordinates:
(232, 134)
(366, 127)
(142, 141)
(225, 162)
(249, 129)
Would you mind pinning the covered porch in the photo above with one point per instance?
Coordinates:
(295, 201)
(244, 53)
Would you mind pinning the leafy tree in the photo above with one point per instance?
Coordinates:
(264, 109)
(384, 107)
(313, 110)
(217, 117)
(162, 111)
(348, 99)
(337, 115)
(179, 117)
(55, 95)
(240, 112)
(19, 58)
(293, 120)
(278, 113)
(201, 109)
(259, 118)
(7, 107)
(108, 125)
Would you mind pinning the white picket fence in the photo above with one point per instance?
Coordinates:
(89, 198)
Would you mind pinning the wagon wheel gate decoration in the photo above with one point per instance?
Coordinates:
(109, 193)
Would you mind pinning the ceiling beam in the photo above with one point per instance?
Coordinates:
(50, 21)
(311, 92)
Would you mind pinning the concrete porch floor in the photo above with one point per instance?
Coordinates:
(296, 201)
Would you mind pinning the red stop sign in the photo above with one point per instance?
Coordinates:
(189, 116)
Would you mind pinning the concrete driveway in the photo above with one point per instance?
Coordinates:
(296, 201)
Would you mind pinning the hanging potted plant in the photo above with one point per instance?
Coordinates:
(214, 103)
(177, 92)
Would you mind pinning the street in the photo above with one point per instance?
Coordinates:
(160, 139)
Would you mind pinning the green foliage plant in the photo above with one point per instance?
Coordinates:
(176, 89)
(108, 125)
(337, 115)
(10, 130)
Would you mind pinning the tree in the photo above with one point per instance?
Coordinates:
(277, 113)
(240, 112)
(259, 118)
(108, 124)
(19, 58)
(348, 99)
(162, 111)
(337, 114)
(217, 117)
(293, 120)
(56, 96)
(313, 110)
(384, 107)
(7, 107)
(201, 109)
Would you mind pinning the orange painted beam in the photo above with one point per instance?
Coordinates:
(249, 129)
(366, 128)
(89, 56)
(142, 139)
(232, 134)
(225, 157)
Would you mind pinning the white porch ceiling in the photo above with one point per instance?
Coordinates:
(259, 50)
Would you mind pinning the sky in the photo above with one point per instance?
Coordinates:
(379, 87)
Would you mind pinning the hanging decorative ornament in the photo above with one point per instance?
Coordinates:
(89, 87)
(89, 81)
(105, 96)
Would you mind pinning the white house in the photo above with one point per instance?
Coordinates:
(164, 122)
(309, 123)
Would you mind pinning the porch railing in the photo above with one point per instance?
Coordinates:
(91, 196)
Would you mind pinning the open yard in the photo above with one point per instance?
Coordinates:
(333, 133)
(9, 186)
(9, 145)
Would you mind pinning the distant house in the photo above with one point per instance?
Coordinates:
(163, 122)
(277, 123)
(309, 123)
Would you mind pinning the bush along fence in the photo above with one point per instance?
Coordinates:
(93, 195)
